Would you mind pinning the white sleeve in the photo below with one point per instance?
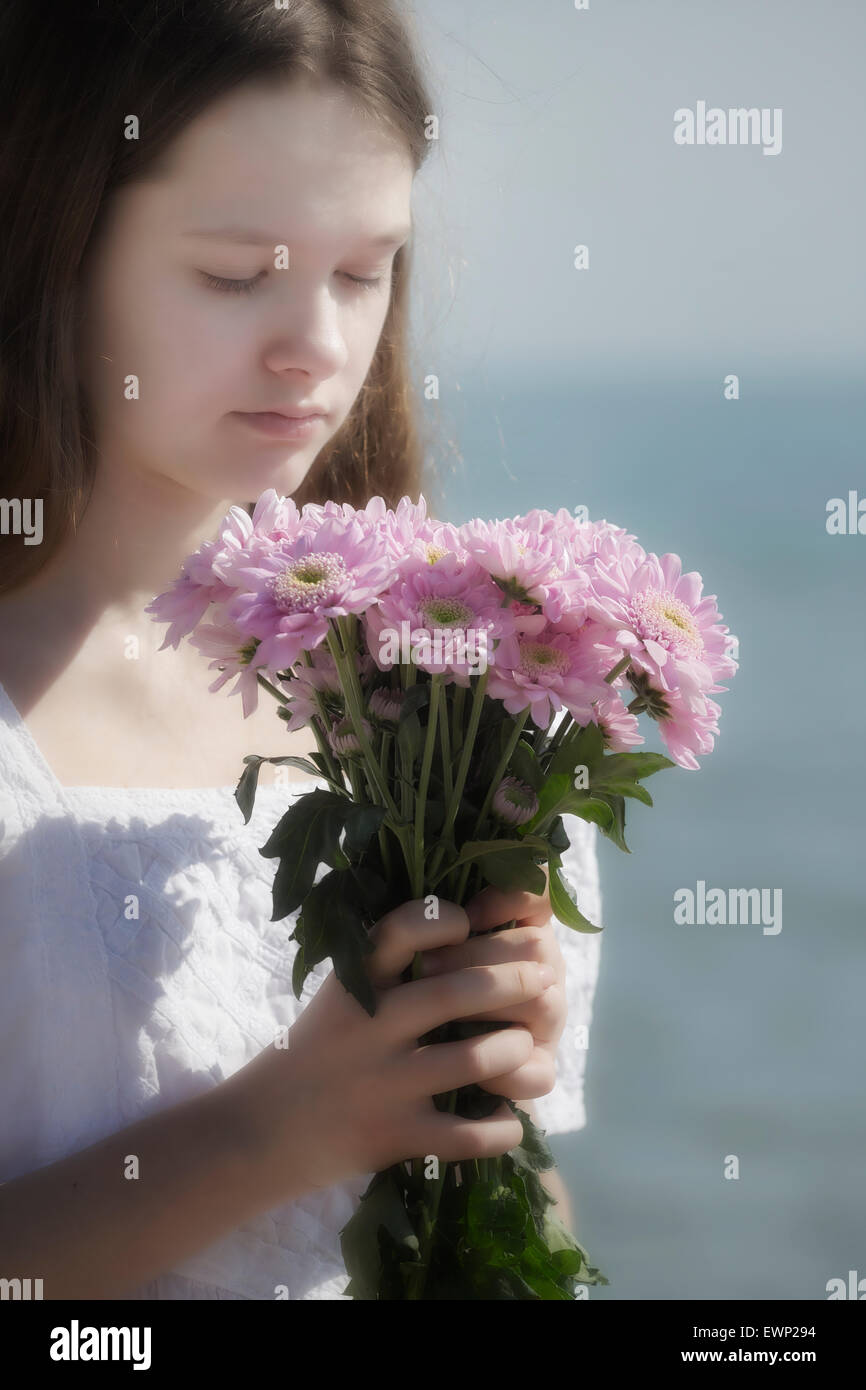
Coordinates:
(562, 1109)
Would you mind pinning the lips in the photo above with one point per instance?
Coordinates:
(280, 425)
(297, 414)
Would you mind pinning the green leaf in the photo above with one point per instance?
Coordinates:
(631, 766)
(334, 926)
(579, 747)
(557, 835)
(525, 765)
(410, 736)
(513, 872)
(560, 796)
(616, 830)
(533, 1150)
(245, 791)
(372, 892)
(592, 808)
(415, 698)
(496, 1220)
(362, 823)
(474, 849)
(623, 788)
(300, 969)
(306, 836)
(564, 902)
(381, 1208)
(551, 798)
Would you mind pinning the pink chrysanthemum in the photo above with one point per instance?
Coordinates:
(291, 591)
(233, 654)
(554, 669)
(657, 616)
(686, 722)
(206, 576)
(185, 602)
(411, 536)
(305, 682)
(619, 727)
(454, 606)
(529, 566)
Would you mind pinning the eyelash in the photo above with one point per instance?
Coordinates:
(218, 282)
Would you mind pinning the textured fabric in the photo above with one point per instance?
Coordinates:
(139, 966)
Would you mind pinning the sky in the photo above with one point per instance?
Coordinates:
(556, 129)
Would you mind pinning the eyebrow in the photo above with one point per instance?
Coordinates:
(247, 236)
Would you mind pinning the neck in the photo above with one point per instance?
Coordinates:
(128, 547)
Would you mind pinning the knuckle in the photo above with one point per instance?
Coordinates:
(459, 915)
(528, 980)
(487, 977)
(538, 935)
(536, 943)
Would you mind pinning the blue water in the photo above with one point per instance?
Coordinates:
(709, 1041)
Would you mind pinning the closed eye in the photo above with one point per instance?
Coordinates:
(219, 282)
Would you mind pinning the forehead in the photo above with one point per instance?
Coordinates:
(296, 161)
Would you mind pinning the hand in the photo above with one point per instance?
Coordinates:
(531, 939)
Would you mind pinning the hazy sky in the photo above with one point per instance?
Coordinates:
(556, 129)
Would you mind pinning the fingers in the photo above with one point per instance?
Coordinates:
(405, 930)
(544, 1017)
(455, 1140)
(536, 943)
(492, 907)
(419, 1006)
(441, 1067)
(536, 1078)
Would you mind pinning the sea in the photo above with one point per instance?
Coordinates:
(724, 1155)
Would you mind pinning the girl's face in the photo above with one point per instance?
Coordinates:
(188, 316)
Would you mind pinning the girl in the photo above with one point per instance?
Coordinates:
(155, 1144)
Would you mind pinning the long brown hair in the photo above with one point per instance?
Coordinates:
(68, 81)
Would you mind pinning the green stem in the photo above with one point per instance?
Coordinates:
(324, 748)
(491, 791)
(278, 694)
(618, 669)
(563, 729)
(474, 718)
(445, 736)
(427, 1236)
(457, 730)
(354, 705)
(421, 802)
(383, 834)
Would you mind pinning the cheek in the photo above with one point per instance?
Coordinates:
(142, 327)
(362, 339)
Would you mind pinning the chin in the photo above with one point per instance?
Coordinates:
(248, 484)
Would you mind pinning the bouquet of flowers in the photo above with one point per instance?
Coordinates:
(431, 662)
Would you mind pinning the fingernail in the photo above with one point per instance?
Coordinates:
(547, 975)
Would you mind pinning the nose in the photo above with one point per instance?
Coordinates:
(307, 335)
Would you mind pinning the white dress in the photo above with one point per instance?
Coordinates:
(139, 966)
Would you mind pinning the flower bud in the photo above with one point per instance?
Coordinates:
(514, 802)
(385, 705)
(344, 741)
